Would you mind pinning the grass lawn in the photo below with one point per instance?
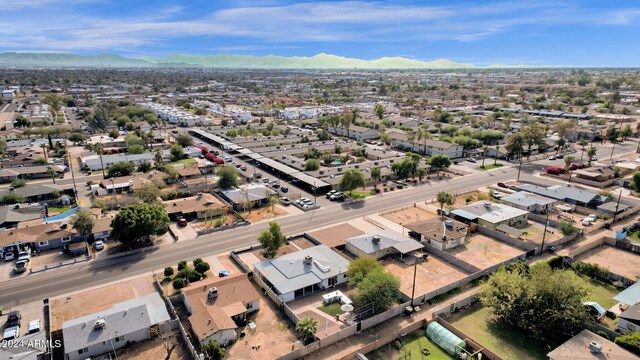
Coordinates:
(412, 349)
(360, 194)
(332, 309)
(183, 161)
(509, 343)
(601, 293)
(489, 166)
(635, 236)
(62, 209)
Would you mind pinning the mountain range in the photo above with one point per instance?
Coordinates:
(320, 61)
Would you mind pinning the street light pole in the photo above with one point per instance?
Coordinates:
(544, 234)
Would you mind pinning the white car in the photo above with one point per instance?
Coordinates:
(34, 326)
(586, 222)
(98, 245)
(496, 195)
(8, 256)
(594, 158)
(23, 255)
(11, 333)
(592, 217)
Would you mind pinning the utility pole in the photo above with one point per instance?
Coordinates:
(520, 166)
(73, 178)
(617, 205)
(544, 234)
(415, 270)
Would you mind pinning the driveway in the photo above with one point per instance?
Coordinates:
(184, 232)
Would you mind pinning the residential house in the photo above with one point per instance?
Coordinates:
(199, 206)
(441, 233)
(216, 317)
(356, 132)
(612, 208)
(188, 172)
(40, 237)
(8, 94)
(597, 174)
(112, 329)
(382, 244)
(491, 215)
(102, 228)
(629, 296)
(568, 194)
(92, 161)
(581, 134)
(590, 346)
(38, 192)
(257, 194)
(303, 272)
(532, 203)
(12, 215)
(133, 182)
(400, 139)
(29, 172)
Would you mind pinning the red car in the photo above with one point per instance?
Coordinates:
(182, 221)
(502, 185)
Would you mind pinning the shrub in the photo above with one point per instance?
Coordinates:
(618, 284)
(168, 271)
(196, 261)
(218, 223)
(182, 264)
(567, 229)
(202, 267)
(178, 283)
(630, 342)
(603, 334)
(594, 271)
(166, 279)
(555, 262)
(555, 170)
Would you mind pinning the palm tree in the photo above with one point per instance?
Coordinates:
(52, 173)
(44, 150)
(484, 154)
(495, 161)
(247, 204)
(412, 138)
(591, 153)
(376, 174)
(583, 143)
(422, 172)
(306, 329)
(98, 148)
(568, 161)
(443, 198)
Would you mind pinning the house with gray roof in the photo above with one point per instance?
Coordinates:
(303, 272)
(491, 215)
(12, 215)
(105, 331)
(258, 194)
(382, 244)
(532, 203)
(568, 194)
(38, 192)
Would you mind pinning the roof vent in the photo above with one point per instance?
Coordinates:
(308, 259)
(595, 348)
(376, 239)
(100, 324)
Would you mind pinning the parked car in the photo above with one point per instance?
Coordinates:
(470, 159)
(9, 256)
(182, 221)
(330, 193)
(24, 255)
(284, 189)
(34, 326)
(502, 185)
(11, 333)
(98, 245)
(21, 266)
(594, 158)
(285, 200)
(223, 273)
(338, 196)
(496, 195)
(275, 184)
(227, 159)
(592, 217)
(586, 222)
(552, 157)
(266, 181)
(13, 319)
(243, 168)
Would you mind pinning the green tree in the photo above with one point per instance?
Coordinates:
(630, 342)
(351, 179)
(114, 134)
(568, 161)
(12, 198)
(134, 224)
(379, 289)
(76, 138)
(184, 140)
(227, 177)
(379, 111)
(360, 268)
(376, 174)
(177, 152)
(583, 145)
(439, 162)
(144, 166)
(148, 192)
(591, 153)
(83, 222)
(51, 172)
(444, 198)
(213, 350)
(311, 165)
(306, 330)
(626, 132)
(537, 299)
(635, 181)
(18, 183)
(135, 149)
(98, 148)
(271, 240)
(121, 168)
(567, 229)
(612, 133)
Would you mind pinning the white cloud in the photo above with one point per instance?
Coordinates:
(47, 25)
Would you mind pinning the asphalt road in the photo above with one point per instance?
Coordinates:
(96, 272)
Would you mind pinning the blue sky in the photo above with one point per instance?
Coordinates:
(563, 33)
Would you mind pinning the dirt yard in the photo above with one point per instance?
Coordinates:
(336, 235)
(484, 252)
(408, 215)
(618, 261)
(49, 258)
(274, 334)
(461, 200)
(431, 274)
(264, 213)
(80, 304)
(155, 349)
(302, 242)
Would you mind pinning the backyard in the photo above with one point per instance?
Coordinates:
(411, 349)
(332, 309)
(182, 162)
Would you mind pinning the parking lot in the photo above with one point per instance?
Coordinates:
(483, 252)
(28, 312)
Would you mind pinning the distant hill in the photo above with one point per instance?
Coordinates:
(320, 61)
